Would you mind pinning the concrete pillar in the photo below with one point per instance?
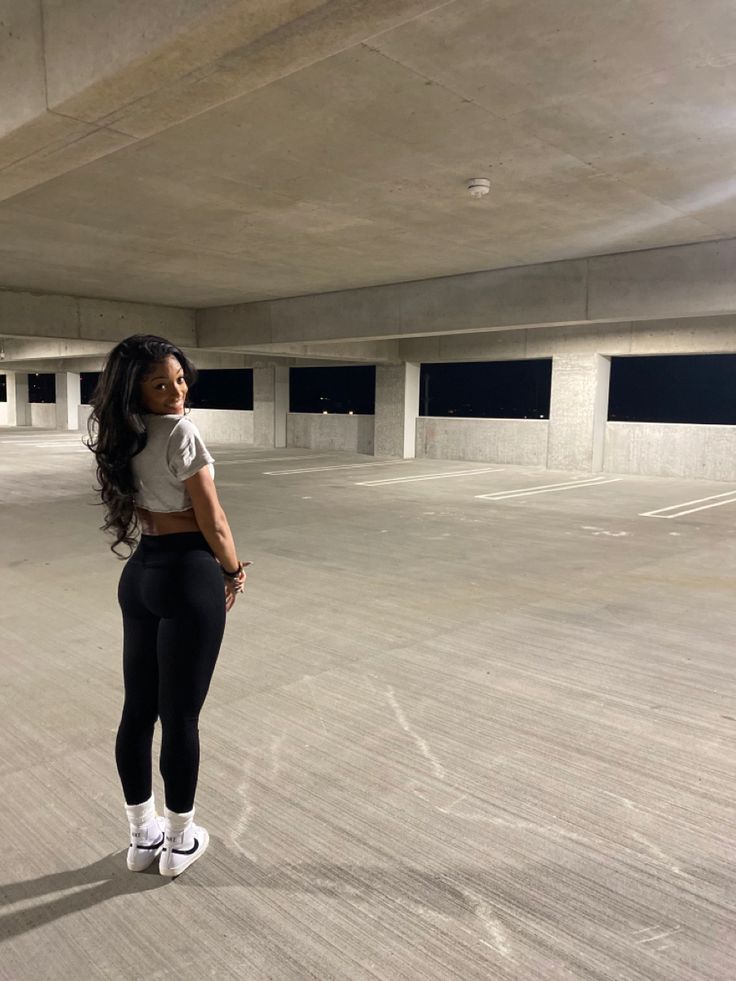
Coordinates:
(578, 412)
(397, 408)
(270, 405)
(68, 399)
(19, 408)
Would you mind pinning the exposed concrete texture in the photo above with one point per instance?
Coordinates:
(696, 335)
(50, 349)
(335, 431)
(691, 280)
(325, 146)
(270, 405)
(8, 409)
(225, 425)
(578, 410)
(18, 409)
(43, 415)
(22, 67)
(671, 450)
(280, 404)
(552, 293)
(447, 739)
(83, 414)
(215, 425)
(515, 441)
(67, 399)
(142, 68)
(397, 409)
(28, 315)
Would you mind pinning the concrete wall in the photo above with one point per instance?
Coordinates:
(224, 425)
(43, 415)
(215, 425)
(83, 413)
(3, 413)
(517, 441)
(671, 450)
(315, 431)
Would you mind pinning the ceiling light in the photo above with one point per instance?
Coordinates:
(479, 187)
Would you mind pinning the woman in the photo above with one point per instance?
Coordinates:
(156, 475)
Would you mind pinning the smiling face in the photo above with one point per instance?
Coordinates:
(164, 388)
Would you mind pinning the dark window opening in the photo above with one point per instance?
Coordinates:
(3, 388)
(487, 389)
(683, 388)
(42, 388)
(87, 383)
(333, 390)
(223, 388)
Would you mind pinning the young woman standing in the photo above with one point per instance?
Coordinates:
(156, 476)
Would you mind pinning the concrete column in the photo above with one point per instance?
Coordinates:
(68, 399)
(270, 405)
(397, 408)
(578, 411)
(19, 408)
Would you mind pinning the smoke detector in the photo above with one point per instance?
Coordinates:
(479, 187)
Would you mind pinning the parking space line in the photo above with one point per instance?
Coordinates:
(270, 459)
(343, 466)
(547, 488)
(425, 476)
(55, 446)
(715, 498)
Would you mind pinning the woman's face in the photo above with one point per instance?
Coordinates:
(164, 389)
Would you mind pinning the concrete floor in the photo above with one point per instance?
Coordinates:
(449, 737)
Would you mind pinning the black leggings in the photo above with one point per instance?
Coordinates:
(172, 596)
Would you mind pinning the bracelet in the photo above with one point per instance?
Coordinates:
(232, 575)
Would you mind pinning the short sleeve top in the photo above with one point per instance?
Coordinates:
(174, 451)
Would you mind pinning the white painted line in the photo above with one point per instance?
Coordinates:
(55, 446)
(425, 476)
(684, 504)
(547, 488)
(268, 459)
(680, 514)
(343, 466)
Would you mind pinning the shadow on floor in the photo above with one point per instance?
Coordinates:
(106, 878)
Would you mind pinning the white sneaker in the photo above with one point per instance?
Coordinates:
(146, 844)
(181, 849)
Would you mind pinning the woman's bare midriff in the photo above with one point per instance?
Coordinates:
(166, 523)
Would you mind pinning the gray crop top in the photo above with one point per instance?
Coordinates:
(174, 451)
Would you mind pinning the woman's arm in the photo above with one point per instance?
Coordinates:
(211, 519)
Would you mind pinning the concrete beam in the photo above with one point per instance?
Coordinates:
(54, 316)
(682, 281)
(367, 352)
(202, 359)
(695, 335)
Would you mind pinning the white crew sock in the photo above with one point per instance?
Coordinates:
(179, 828)
(142, 819)
(139, 814)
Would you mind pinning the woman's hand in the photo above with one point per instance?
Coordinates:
(232, 588)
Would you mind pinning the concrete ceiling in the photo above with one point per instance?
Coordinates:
(603, 125)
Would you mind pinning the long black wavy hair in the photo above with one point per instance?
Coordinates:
(117, 431)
